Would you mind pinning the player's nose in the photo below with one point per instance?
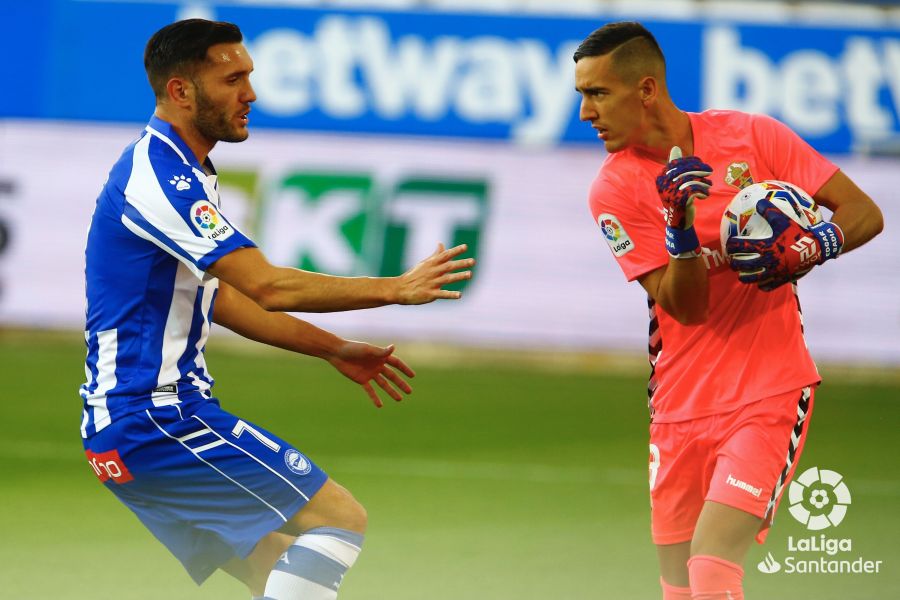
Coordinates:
(586, 112)
(249, 94)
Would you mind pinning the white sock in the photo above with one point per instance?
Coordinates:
(314, 566)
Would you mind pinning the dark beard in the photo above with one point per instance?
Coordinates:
(213, 123)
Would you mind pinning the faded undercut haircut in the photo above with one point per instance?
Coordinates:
(181, 47)
(634, 50)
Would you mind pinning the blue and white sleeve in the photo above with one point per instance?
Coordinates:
(167, 204)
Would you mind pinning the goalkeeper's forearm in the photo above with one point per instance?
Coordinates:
(855, 213)
(681, 288)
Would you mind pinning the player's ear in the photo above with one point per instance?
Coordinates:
(648, 90)
(179, 91)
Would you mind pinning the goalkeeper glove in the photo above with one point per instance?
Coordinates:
(789, 254)
(681, 181)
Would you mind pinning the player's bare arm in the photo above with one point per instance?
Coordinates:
(286, 289)
(854, 211)
(681, 288)
(360, 362)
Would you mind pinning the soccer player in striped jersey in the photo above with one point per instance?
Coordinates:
(732, 383)
(162, 263)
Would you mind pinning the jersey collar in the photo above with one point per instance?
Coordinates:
(166, 132)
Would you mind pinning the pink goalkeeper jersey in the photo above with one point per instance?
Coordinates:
(752, 345)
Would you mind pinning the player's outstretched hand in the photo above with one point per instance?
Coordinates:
(682, 180)
(789, 254)
(365, 363)
(424, 282)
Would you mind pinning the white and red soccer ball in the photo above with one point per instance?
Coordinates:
(741, 219)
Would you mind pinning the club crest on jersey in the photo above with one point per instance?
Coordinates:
(738, 175)
(181, 182)
(616, 236)
(296, 462)
(207, 220)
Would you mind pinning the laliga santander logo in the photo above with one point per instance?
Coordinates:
(205, 216)
(819, 499)
(610, 229)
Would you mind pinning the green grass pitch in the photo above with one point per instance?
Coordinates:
(492, 482)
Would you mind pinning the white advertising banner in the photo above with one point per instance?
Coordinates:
(356, 205)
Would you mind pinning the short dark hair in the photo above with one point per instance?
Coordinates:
(180, 47)
(629, 40)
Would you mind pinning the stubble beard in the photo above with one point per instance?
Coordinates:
(214, 123)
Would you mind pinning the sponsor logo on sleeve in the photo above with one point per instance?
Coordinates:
(615, 234)
(207, 220)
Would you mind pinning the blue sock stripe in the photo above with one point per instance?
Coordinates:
(312, 566)
(345, 535)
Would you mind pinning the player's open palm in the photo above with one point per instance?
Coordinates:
(365, 363)
(424, 282)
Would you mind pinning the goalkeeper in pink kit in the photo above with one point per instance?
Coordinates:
(732, 383)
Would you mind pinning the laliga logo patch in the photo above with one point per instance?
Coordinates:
(209, 222)
(615, 234)
(181, 182)
(206, 217)
(296, 462)
(610, 229)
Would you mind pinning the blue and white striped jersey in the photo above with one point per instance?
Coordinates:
(155, 230)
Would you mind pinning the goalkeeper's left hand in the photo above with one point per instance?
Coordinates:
(788, 255)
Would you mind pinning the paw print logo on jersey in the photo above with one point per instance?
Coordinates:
(205, 216)
(819, 498)
(181, 182)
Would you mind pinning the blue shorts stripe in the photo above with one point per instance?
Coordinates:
(213, 467)
(263, 464)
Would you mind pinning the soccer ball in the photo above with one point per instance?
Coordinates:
(741, 219)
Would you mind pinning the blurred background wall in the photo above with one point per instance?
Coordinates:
(384, 127)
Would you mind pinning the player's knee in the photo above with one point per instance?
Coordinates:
(345, 511)
(332, 506)
(354, 516)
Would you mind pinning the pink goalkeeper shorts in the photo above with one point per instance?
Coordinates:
(743, 459)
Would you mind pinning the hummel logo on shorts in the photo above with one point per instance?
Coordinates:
(743, 485)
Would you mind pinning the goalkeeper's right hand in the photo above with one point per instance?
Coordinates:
(682, 180)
